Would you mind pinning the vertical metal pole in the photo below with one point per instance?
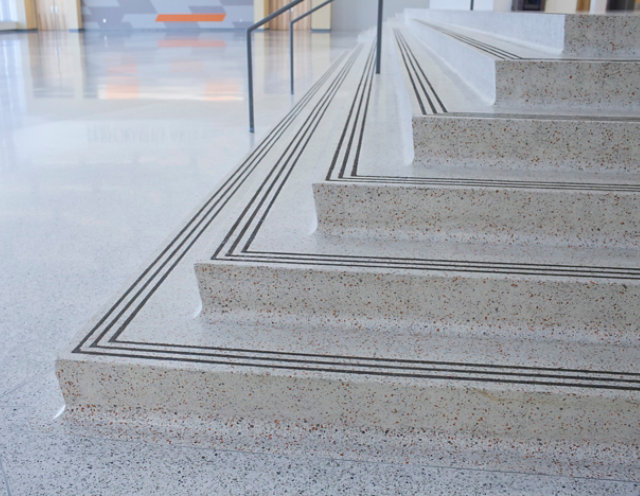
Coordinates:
(291, 54)
(379, 45)
(471, 4)
(250, 80)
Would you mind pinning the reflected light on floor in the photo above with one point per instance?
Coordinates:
(213, 92)
(191, 43)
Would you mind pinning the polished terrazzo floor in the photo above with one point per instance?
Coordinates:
(106, 144)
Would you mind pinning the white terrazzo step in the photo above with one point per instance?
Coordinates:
(452, 127)
(520, 420)
(532, 143)
(368, 349)
(573, 35)
(494, 213)
(498, 300)
(506, 74)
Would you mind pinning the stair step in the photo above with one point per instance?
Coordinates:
(457, 297)
(524, 142)
(506, 74)
(495, 357)
(573, 35)
(452, 128)
(491, 214)
(391, 412)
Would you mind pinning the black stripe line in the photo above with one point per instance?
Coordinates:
(343, 135)
(480, 45)
(287, 170)
(470, 268)
(409, 72)
(128, 320)
(493, 183)
(371, 373)
(558, 370)
(412, 263)
(254, 157)
(236, 224)
(455, 261)
(419, 66)
(356, 159)
(358, 99)
(381, 366)
(278, 168)
(413, 63)
(177, 260)
(507, 55)
(420, 74)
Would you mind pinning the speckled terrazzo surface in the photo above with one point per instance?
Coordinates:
(508, 74)
(497, 356)
(581, 35)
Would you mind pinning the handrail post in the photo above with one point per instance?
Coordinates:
(379, 39)
(291, 54)
(250, 30)
(250, 80)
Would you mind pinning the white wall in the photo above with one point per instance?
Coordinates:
(356, 15)
(450, 4)
(141, 14)
(495, 5)
(561, 6)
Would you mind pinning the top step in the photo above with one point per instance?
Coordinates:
(572, 35)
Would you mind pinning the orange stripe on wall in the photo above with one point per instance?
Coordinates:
(190, 17)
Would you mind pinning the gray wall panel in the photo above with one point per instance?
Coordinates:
(356, 15)
(141, 14)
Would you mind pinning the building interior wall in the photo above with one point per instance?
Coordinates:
(351, 15)
(141, 14)
(357, 15)
(319, 20)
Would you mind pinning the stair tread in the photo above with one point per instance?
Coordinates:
(611, 34)
(250, 335)
(511, 50)
(460, 99)
(507, 74)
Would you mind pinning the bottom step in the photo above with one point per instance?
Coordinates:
(498, 426)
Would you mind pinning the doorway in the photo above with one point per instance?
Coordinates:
(58, 15)
(621, 5)
(281, 22)
(6, 11)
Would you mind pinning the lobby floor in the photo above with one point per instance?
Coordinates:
(107, 142)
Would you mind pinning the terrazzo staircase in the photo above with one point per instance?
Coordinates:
(476, 306)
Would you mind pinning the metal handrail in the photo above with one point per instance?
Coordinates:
(272, 16)
(250, 30)
(291, 23)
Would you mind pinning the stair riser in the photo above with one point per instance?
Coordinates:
(351, 401)
(596, 85)
(427, 302)
(528, 144)
(501, 216)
